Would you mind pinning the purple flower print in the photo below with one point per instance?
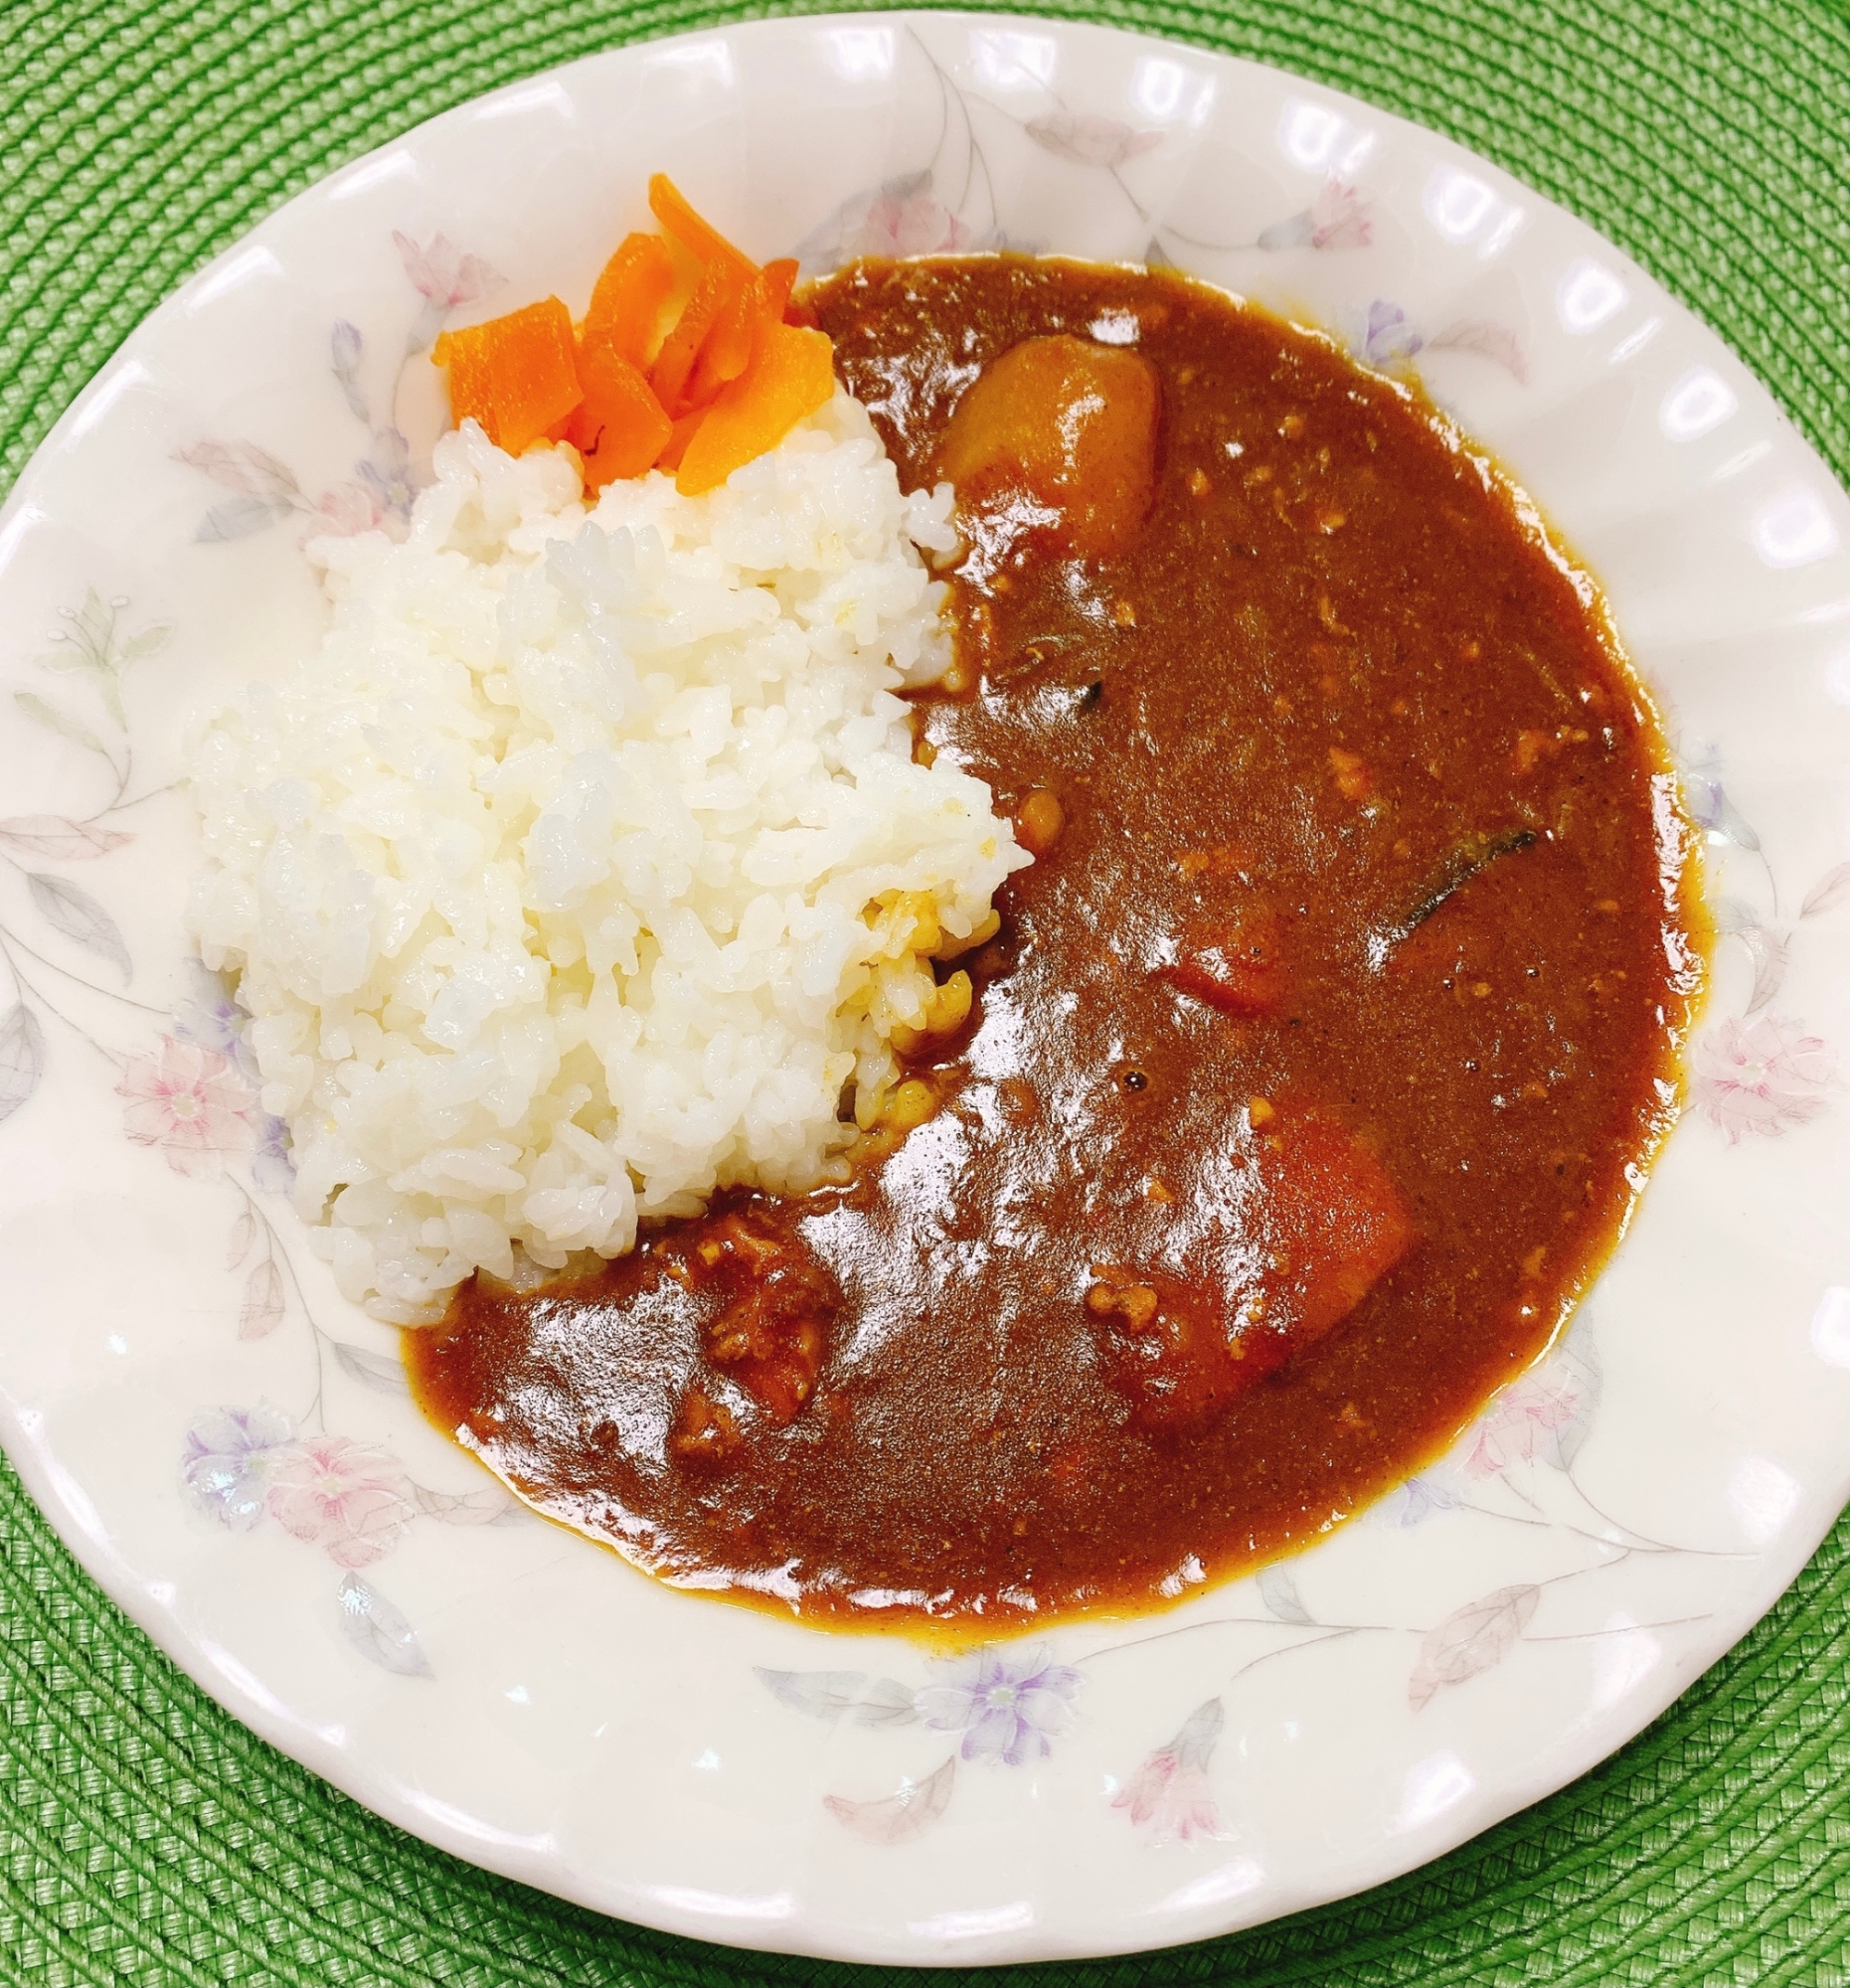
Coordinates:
(205, 1014)
(225, 1459)
(272, 1165)
(1387, 335)
(387, 474)
(1007, 1708)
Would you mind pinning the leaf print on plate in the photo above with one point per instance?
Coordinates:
(262, 1310)
(1086, 139)
(243, 1237)
(379, 1630)
(58, 840)
(842, 1694)
(351, 1498)
(1280, 1594)
(54, 720)
(899, 1817)
(1169, 1794)
(1488, 340)
(489, 1507)
(224, 1463)
(1765, 948)
(372, 1370)
(22, 1057)
(1829, 890)
(1471, 1640)
(1010, 1707)
(266, 489)
(1762, 1077)
(346, 347)
(77, 916)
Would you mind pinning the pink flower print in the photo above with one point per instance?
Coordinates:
(1760, 1076)
(1543, 1418)
(1339, 217)
(1170, 1793)
(902, 217)
(350, 1497)
(917, 225)
(443, 273)
(1007, 1708)
(190, 1102)
(1336, 219)
(346, 511)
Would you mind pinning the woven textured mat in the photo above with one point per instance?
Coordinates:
(144, 1836)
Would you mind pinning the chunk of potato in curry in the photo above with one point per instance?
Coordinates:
(1308, 1076)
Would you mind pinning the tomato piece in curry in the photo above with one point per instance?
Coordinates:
(1312, 1070)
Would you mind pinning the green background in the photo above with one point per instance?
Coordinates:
(144, 1836)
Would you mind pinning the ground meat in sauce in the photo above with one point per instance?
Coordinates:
(1310, 1072)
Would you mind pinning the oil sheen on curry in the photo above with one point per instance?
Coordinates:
(1311, 1072)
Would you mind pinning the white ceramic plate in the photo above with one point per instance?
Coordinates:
(228, 1448)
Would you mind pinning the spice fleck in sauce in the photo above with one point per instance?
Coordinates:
(1313, 1068)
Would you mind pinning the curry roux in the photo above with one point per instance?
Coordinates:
(1310, 1076)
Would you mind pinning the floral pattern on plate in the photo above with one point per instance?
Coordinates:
(240, 1463)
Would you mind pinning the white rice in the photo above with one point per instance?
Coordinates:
(587, 861)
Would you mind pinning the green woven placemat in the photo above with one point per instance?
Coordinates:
(144, 1836)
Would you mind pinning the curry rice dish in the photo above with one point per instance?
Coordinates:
(1312, 1071)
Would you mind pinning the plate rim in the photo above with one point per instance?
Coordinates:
(342, 1766)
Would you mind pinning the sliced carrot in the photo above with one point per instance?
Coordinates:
(726, 349)
(516, 375)
(792, 373)
(699, 237)
(779, 280)
(626, 306)
(618, 429)
(679, 435)
(674, 365)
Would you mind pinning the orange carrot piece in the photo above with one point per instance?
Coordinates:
(516, 375)
(626, 306)
(699, 237)
(618, 429)
(674, 363)
(779, 280)
(726, 349)
(792, 373)
(679, 435)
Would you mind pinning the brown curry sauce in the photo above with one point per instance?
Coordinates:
(1310, 1077)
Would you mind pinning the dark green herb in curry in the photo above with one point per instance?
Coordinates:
(1313, 1068)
